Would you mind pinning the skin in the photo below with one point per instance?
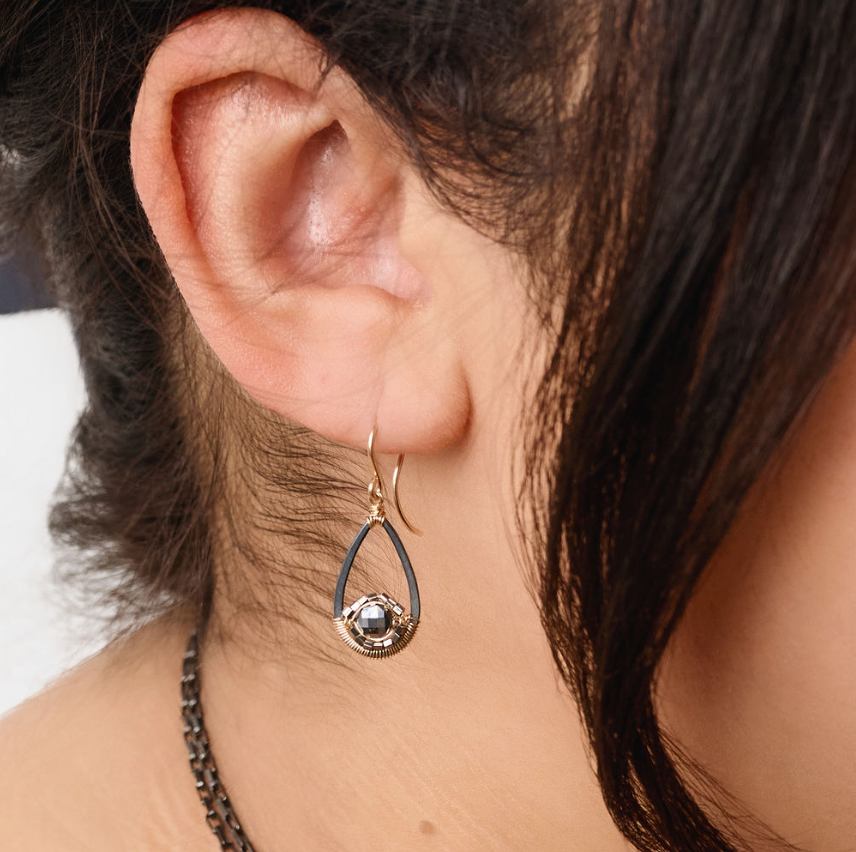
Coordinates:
(402, 316)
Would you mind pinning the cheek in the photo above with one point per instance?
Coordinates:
(759, 683)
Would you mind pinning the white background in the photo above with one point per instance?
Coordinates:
(41, 394)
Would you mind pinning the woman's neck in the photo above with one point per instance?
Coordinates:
(464, 740)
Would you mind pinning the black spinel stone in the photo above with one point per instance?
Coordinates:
(374, 620)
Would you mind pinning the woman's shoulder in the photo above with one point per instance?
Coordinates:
(44, 745)
(96, 760)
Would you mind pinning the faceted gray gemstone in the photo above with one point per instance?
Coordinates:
(374, 620)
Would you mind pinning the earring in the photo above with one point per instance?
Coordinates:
(376, 625)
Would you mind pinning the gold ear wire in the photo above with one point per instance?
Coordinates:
(376, 489)
(396, 476)
(370, 453)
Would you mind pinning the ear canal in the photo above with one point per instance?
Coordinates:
(312, 225)
(340, 231)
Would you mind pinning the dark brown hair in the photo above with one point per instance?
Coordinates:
(678, 174)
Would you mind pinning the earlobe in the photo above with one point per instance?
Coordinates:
(277, 200)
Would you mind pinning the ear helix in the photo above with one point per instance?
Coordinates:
(376, 625)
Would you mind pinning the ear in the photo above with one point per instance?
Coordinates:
(280, 202)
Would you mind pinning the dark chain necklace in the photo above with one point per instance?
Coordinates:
(219, 814)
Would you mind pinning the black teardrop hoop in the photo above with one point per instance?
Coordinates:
(376, 625)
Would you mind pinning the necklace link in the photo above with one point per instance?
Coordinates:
(219, 814)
